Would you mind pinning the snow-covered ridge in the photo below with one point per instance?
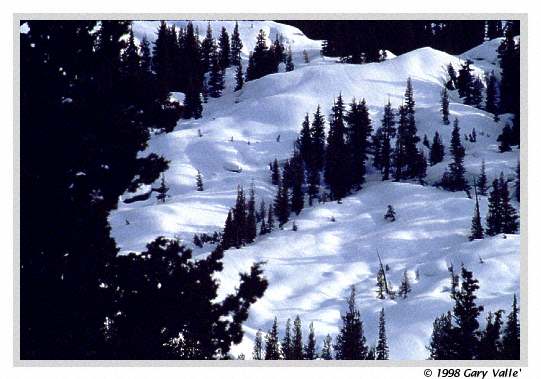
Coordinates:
(310, 270)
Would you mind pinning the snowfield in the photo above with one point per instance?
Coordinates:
(310, 270)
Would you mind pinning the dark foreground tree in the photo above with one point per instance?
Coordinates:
(351, 342)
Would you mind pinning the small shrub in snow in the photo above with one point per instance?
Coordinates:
(390, 215)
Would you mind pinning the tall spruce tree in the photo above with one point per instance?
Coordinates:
(297, 194)
(359, 128)
(442, 344)
(510, 223)
(405, 286)
(382, 349)
(490, 344)
(491, 102)
(351, 342)
(327, 349)
(257, 353)
(224, 54)
(216, 77)
(290, 66)
(272, 344)
(239, 218)
(239, 77)
(208, 49)
(287, 342)
(476, 232)
(482, 180)
(437, 150)
(281, 204)
(511, 333)
(465, 82)
(454, 180)
(445, 106)
(236, 45)
(296, 346)
(382, 142)
(337, 168)
(494, 217)
(251, 222)
(310, 352)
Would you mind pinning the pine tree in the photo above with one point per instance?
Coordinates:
(445, 106)
(511, 334)
(437, 150)
(310, 352)
(476, 226)
(509, 214)
(250, 70)
(239, 219)
(216, 77)
(490, 344)
(296, 346)
(350, 342)
(289, 60)
(442, 342)
(317, 132)
(380, 284)
(228, 237)
(454, 180)
(236, 46)
(162, 190)
(326, 351)
(275, 170)
(199, 181)
(225, 49)
(453, 80)
(491, 102)
(505, 139)
(208, 49)
(251, 222)
(465, 313)
(482, 180)
(281, 204)
(270, 219)
(258, 346)
(359, 128)
(297, 194)
(287, 343)
(465, 82)
(494, 217)
(336, 158)
(193, 72)
(477, 92)
(272, 346)
(304, 142)
(382, 349)
(239, 77)
(382, 142)
(405, 286)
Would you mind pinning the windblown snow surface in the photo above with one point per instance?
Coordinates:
(310, 271)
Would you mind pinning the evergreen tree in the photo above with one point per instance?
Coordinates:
(275, 170)
(453, 79)
(310, 352)
(281, 204)
(270, 219)
(296, 345)
(216, 77)
(442, 342)
(289, 60)
(350, 342)
(239, 77)
(454, 180)
(477, 92)
(505, 139)
(491, 102)
(465, 82)
(250, 70)
(228, 237)
(382, 142)
(509, 214)
(511, 334)
(426, 142)
(490, 344)
(405, 286)
(272, 346)
(146, 56)
(336, 157)
(287, 343)
(445, 106)
(476, 226)
(199, 181)
(326, 351)
(225, 50)
(465, 313)
(161, 57)
(162, 190)
(482, 180)
(382, 349)
(380, 284)
(251, 223)
(437, 150)
(494, 217)
(390, 215)
(317, 132)
(239, 218)
(277, 51)
(208, 49)
(236, 46)
(304, 142)
(258, 346)
(297, 194)
(359, 128)
(193, 72)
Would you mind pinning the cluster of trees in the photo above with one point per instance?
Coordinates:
(89, 100)
(360, 41)
(349, 344)
(456, 334)
(264, 60)
(405, 160)
(241, 223)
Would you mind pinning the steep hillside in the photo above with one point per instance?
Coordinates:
(310, 270)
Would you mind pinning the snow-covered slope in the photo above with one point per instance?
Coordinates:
(310, 270)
